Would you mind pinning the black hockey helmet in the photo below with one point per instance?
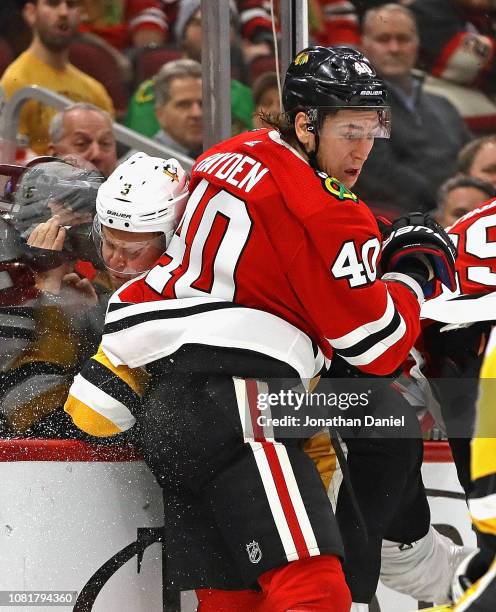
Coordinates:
(332, 77)
(326, 79)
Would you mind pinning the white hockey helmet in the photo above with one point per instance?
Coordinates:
(144, 194)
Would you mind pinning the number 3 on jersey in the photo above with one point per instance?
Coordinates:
(358, 269)
(205, 252)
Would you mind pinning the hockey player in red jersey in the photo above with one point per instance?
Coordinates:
(272, 269)
(475, 582)
(475, 236)
(457, 353)
(452, 356)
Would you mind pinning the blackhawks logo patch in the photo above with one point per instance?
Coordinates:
(336, 188)
(301, 58)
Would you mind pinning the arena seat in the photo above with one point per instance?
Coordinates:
(259, 65)
(477, 109)
(102, 66)
(6, 55)
(149, 60)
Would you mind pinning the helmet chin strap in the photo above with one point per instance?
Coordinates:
(312, 155)
(312, 127)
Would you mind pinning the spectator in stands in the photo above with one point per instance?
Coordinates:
(140, 115)
(457, 47)
(334, 22)
(460, 195)
(478, 159)
(266, 98)
(119, 27)
(178, 106)
(84, 130)
(136, 23)
(17, 290)
(188, 34)
(255, 28)
(458, 40)
(254, 19)
(49, 200)
(403, 174)
(64, 318)
(46, 64)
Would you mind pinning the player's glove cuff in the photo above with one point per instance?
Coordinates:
(410, 280)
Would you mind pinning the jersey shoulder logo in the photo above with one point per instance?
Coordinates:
(336, 188)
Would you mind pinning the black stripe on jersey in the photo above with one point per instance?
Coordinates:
(106, 380)
(483, 487)
(113, 306)
(177, 313)
(364, 345)
(19, 375)
(214, 360)
(469, 296)
(9, 331)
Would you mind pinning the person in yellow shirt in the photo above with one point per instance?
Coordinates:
(46, 64)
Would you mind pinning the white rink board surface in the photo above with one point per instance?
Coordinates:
(62, 520)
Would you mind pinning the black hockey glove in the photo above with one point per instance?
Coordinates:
(419, 247)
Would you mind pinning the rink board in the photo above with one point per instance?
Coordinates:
(61, 520)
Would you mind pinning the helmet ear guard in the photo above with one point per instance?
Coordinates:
(314, 120)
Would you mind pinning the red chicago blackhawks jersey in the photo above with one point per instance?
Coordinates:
(474, 234)
(267, 245)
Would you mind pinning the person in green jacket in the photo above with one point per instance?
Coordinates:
(141, 110)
